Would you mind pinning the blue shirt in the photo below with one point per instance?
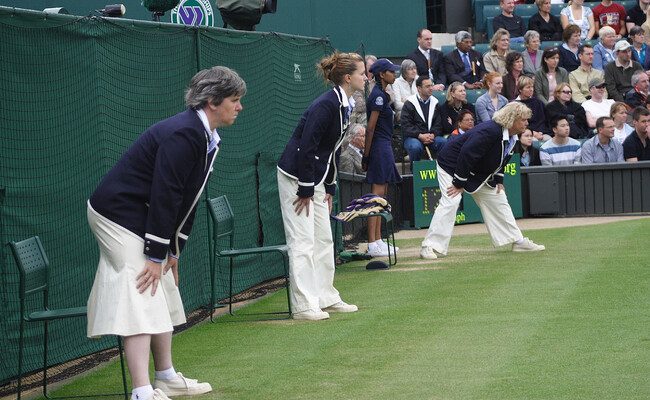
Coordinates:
(380, 101)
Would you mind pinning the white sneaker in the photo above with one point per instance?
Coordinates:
(527, 245)
(388, 247)
(158, 395)
(375, 250)
(181, 386)
(341, 306)
(427, 253)
(311, 315)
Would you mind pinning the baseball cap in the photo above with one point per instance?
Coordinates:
(622, 45)
(382, 65)
(596, 82)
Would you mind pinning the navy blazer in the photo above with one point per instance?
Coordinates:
(310, 155)
(153, 189)
(437, 64)
(455, 68)
(475, 157)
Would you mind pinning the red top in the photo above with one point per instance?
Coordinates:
(613, 15)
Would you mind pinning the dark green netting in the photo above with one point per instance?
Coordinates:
(75, 93)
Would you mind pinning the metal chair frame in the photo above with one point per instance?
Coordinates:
(222, 219)
(33, 266)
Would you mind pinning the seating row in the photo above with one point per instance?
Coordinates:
(485, 47)
(472, 95)
(484, 9)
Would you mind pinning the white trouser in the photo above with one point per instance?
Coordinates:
(496, 212)
(311, 249)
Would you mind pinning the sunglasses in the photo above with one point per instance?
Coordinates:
(600, 86)
(567, 92)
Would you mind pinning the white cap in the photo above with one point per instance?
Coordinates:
(622, 45)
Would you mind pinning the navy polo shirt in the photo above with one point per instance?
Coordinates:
(633, 147)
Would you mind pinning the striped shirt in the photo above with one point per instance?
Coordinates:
(560, 154)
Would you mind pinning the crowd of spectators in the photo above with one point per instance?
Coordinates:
(588, 95)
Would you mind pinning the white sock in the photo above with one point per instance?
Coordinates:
(167, 374)
(142, 392)
(520, 241)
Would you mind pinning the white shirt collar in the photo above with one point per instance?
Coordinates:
(424, 52)
(506, 135)
(345, 101)
(206, 124)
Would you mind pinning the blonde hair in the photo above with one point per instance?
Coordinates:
(558, 89)
(452, 88)
(497, 36)
(524, 81)
(335, 66)
(511, 112)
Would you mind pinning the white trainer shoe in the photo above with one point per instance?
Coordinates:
(427, 253)
(181, 386)
(388, 247)
(527, 245)
(158, 395)
(341, 306)
(311, 315)
(375, 250)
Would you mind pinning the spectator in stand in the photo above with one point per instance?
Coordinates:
(618, 112)
(492, 101)
(465, 64)
(547, 24)
(646, 25)
(421, 122)
(569, 49)
(640, 48)
(636, 146)
(515, 68)
(609, 13)
(465, 122)
(495, 59)
(350, 160)
(577, 14)
(618, 74)
(404, 86)
(537, 122)
(509, 21)
(430, 62)
(602, 148)
(580, 77)
(604, 49)
(455, 104)
(550, 75)
(572, 111)
(528, 154)
(599, 105)
(532, 55)
(562, 149)
(358, 115)
(637, 14)
(638, 95)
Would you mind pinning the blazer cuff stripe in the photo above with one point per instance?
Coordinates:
(156, 238)
(459, 178)
(305, 183)
(184, 237)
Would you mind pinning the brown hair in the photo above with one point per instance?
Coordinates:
(559, 88)
(569, 31)
(616, 106)
(335, 66)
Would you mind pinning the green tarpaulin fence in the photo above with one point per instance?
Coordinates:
(76, 92)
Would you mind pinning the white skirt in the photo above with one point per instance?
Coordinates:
(114, 306)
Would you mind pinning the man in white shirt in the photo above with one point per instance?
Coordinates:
(599, 105)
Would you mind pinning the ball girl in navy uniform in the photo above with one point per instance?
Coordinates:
(306, 184)
(378, 158)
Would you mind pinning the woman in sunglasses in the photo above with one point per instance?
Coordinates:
(574, 113)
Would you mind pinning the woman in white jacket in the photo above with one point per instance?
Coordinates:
(404, 86)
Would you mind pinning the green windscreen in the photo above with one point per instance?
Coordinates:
(75, 94)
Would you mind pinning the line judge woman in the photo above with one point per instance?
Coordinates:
(141, 215)
(474, 163)
(306, 184)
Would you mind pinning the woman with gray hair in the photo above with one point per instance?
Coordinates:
(474, 163)
(404, 86)
(604, 49)
(495, 59)
(532, 55)
(141, 215)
